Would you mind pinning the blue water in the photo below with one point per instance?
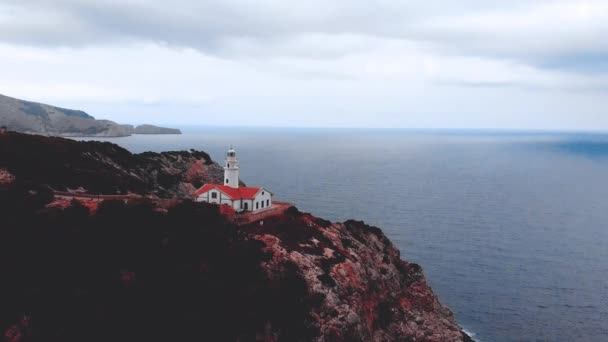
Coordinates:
(510, 228)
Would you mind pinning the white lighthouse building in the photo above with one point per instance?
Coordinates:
(231, 169)
(230, 193)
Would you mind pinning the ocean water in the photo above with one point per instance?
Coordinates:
(511, 229)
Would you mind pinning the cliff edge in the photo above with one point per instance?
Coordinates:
(360, 287)
(137, 271)
(105, 168)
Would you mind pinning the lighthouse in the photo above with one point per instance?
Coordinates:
(244, 198)
(231, 169)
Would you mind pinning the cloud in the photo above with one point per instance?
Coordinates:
(541, 33)
(540, 29)
(401, 61)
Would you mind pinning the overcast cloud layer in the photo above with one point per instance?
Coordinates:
(466, 64)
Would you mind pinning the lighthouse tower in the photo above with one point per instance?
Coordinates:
(231, 169)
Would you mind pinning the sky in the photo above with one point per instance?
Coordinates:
(342, 63)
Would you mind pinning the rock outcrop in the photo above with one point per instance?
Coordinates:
(39, 118)
(140, 272)
(6, 177)
(362, 289)
(105, 168)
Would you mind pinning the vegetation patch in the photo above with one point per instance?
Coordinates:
(35, 109)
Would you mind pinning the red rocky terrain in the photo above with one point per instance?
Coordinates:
(115, 271)
(362, 289)
(104, 168)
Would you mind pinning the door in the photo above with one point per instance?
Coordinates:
(245, 206)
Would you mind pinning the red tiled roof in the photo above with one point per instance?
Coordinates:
(241, 192)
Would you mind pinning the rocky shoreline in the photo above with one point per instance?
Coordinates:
(296, 277)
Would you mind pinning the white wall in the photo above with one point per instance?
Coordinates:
(262, 196)
(249, 204)
(231, 173)
(208, 197)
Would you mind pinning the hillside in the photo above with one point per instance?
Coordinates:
(103, 167)
(137, 272)
(38, 118)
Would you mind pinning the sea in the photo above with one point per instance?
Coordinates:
(511, 228)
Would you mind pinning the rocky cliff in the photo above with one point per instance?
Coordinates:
(361, 288)
(105, 168)
(39, 118)
(135, 272)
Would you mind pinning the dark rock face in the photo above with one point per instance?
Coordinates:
(361, 288)
(137, 272)
(133, 273)
(39, 118)
(105, 168)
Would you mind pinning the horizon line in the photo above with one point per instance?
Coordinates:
(420, 129)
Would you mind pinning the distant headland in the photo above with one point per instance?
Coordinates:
(38, 118)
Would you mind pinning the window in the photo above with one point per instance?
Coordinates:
(214, 195)
(257, 205)
(226, 180)
(262, 192)
(227, 165)
(267, 202)
(262, 204)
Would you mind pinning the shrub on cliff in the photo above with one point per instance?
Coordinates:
(99, 167)
(131, 273)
